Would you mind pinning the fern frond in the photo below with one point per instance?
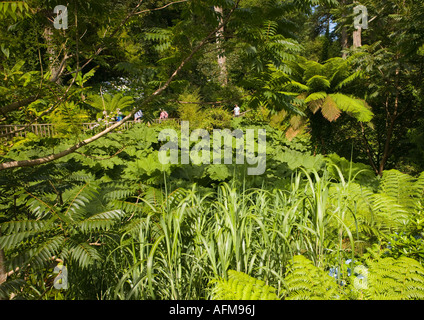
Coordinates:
(329, 109)
(395, 279)
(22, 226)
(348, 80)
(241, 286)
(39, 256)
(9, 287)
(304, 281)
(16, 239)
(316, 96)
(418, 187)
(162, 36)
(318, 83)
(82, 197)
(355, 107)
(84, 254)
(100, 221)
(400, 187)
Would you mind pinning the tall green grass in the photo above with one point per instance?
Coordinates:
(178, 243)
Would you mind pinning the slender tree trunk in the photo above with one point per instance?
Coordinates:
(222, 59)
(344, 36)
(368, 150)
(357, 38)
(3, 272)
(345, 42)
(56, 67)
(387, 150)
(391, 120)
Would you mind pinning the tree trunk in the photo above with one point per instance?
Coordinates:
(345, 42)
(222, 59)
(3, 272)
(344, 39)
(55, 67)
(357, 38)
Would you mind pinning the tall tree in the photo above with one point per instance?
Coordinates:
(222, 60)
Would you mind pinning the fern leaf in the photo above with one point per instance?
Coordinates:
(39, 256)
(318, 83)
(9, 287)
(354, 107)
(84, 254)
(304, 281)
(22, 226)
(316, 96)
(100, 221)
(400, 187)
(395, 279)
(241, 286)
(15, 239)
(329, 109)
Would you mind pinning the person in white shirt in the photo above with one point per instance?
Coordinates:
(236, 111)
(138, 115)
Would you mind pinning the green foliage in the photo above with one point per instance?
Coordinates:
(128, 227)
(108, 106)
(68, 119)
(405, 245)
(383, 278)
(304, 281)
(64, 232)
(192, 111)
(241, 286)
(325, 82)
(13, 9)
(394, 279)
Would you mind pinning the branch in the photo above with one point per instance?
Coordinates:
(102, 159)
(52, 157)
(368, 149)
(165, 6)
(18, 104)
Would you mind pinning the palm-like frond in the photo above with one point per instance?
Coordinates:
(321, 88)
(111, 103)
(61, 232)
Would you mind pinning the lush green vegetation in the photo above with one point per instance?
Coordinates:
(337, 214)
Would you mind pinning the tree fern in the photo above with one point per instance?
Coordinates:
(323, 89)
(241, 286)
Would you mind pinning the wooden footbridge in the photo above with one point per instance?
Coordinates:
(46, 130)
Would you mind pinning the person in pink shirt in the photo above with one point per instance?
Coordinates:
(163, 114)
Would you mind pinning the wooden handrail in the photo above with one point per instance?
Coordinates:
(49, 130)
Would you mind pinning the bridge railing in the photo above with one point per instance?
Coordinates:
(45, 130)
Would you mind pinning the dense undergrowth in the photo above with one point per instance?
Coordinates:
(127, 227)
